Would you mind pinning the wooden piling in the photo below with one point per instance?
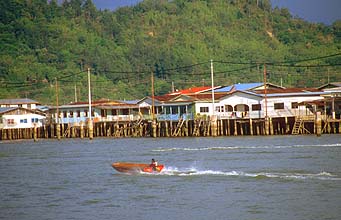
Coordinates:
(91, 129)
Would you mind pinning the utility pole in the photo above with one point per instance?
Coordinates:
(265, 103)
(153, 102)
(153, 107)
(212, 79)
(76, 93)
(213, 117)
(57, 105)
(91, 126)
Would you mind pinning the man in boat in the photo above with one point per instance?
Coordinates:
(153, 164)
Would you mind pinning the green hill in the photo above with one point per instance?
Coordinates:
(41, 41)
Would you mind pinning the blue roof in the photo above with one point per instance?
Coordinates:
(224, 89)
(239, 87)
(246, 86)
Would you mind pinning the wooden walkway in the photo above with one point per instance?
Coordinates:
(200, 127)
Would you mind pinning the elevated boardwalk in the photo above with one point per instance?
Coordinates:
(200, 127)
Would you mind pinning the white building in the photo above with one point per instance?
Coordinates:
(251, 100)
(20, 113)
(18, 117)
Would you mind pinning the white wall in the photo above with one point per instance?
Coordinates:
(22, 121)
(240, 98)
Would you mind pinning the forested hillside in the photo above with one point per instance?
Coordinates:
(43, 41)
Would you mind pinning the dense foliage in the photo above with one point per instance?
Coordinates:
(174, 40)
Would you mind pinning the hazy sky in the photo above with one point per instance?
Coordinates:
(325, 11)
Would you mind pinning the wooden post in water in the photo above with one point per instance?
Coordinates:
(35, 133)
(251, 127)
(271, 126)
(221, 127)
(228, 130)
(166, 129)
(214, 125)
(287, 126)
(241, 125)
(159, 127)
(82, 129)
(91, 129)
(318, 124)
(235, 128)
(154, 128)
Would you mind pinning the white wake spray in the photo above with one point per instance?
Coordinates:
(192, 171)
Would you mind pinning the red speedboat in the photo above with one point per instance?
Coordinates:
(136, 167)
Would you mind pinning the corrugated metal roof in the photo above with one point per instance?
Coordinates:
(239, 87)
(193, 90)
(207, 96)
(6, 109)
(17, 101)
(246, 86)
(164, 98)
(288, 90)
(224, 89)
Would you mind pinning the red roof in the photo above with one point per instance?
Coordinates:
(193, 90)
(166, 97)
(207, 96)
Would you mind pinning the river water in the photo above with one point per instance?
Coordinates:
(275, 177)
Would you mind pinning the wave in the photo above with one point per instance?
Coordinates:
(174, 171)
(241, 147)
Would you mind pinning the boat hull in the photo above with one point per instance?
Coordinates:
(124, 167)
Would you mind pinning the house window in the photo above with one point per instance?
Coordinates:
(10, 121)
(175, 110)
(23, 120)
(34, 120)
(228, 108)
(29, 106)
(78, 113)
(279, 105)
(64, 114)
(113, 112)
(71, 114)
(294, 105)
(203, 109)
(86, 113)
(125, 111)
(219, 108)
(256, 107)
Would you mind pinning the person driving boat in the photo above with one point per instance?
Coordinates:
(153, 164)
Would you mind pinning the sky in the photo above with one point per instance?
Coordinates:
(318, 11)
